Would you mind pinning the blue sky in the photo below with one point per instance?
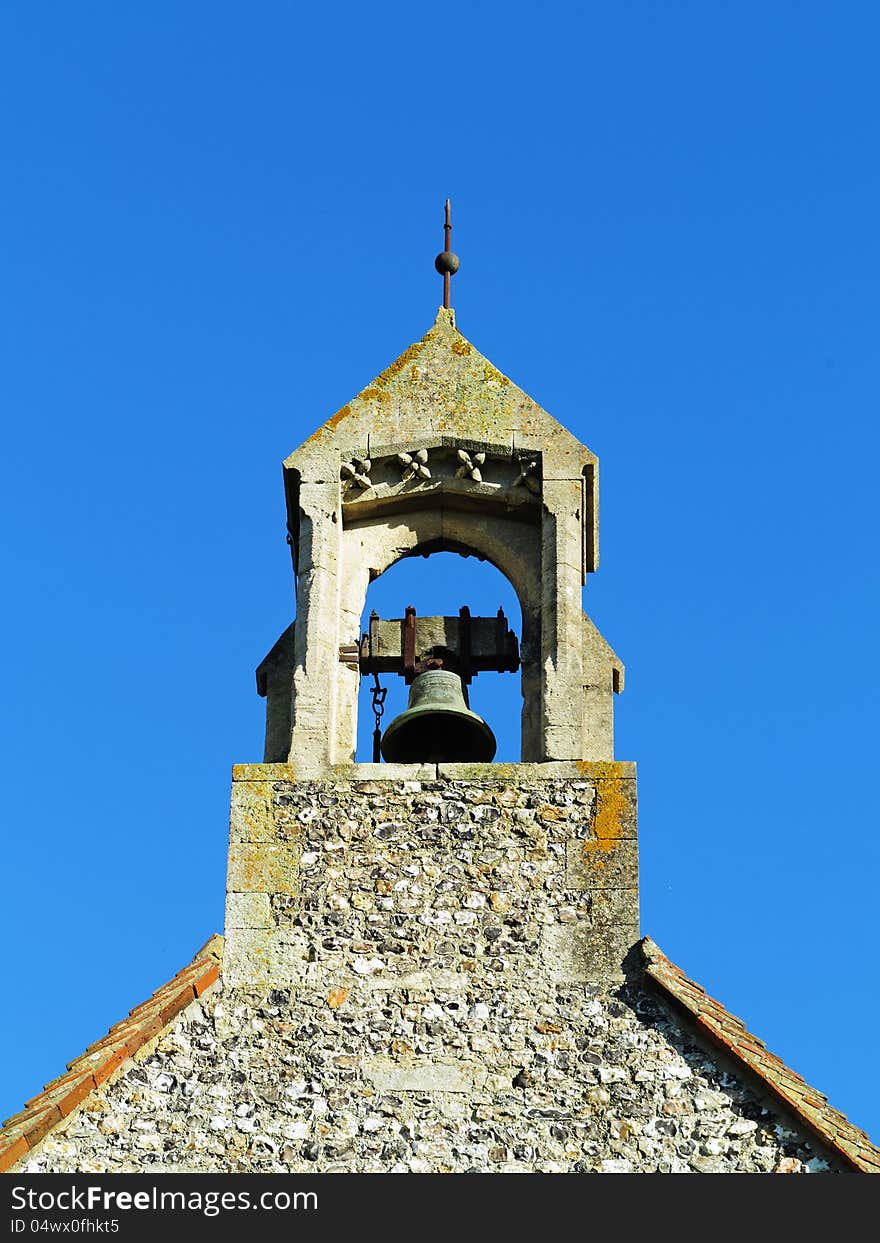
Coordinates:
(219, 223)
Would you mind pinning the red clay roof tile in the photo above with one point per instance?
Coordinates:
(709, 1017)
(60, 1097)
(10, 1152)
(65, 1093)
(108, 1063)
(208, 977)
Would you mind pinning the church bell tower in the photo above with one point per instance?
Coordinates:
(431, 880)
(432, 961)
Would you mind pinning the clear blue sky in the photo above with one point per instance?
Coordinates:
(219, 223)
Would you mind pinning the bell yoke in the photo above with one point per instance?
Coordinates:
(438, 657)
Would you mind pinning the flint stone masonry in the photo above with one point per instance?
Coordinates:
(434, 967)
(565, 1079)
(359, 883)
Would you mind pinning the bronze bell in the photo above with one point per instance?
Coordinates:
(437, 725)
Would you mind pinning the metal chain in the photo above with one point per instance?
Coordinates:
(378, 692)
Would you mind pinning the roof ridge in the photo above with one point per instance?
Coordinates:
(731, 1035)
(42, 1113)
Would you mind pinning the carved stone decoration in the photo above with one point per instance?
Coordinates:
(413, 465)
(470, 465)
(526, 476)
(357, 472)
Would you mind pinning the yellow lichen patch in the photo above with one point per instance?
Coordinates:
(336, 997)
(331, 424)
(611, 808)
(397, 366)
(462, 347)
(375, 394)
(491, 374)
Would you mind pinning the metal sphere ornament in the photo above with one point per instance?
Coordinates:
(447, 262)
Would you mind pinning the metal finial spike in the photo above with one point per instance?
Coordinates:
(446, 262)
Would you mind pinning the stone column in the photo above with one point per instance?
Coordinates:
(562, 619)
(316, 647)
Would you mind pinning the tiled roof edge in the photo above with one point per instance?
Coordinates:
(729, 1033)
(42, 1113)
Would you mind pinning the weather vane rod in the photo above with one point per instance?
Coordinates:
(446, 262)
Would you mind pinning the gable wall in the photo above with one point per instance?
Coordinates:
(430, 975)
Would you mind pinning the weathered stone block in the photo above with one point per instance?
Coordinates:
(263, 958)
(438, 981)
(613, 906)
(264, 772)
(251, 816)
(389, 1075)
(385, 772)
(257, 867)
(574, 770)
(247, 957)
(601, 864)
(248, 910)
(581, 953)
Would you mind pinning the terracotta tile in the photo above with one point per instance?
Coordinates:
(19, 1121)
(74, 1094)
(105, 1056)
(41, 1124)
(175, 1003)
(64, 1089)
(731, 1034)
(12, 1129)
(111, 1062)
(204, 982)
(11, 1152)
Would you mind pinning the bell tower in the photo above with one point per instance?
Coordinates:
(432, 960)
(440, 452)
(431, 869)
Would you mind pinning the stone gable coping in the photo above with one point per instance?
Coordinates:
(42, 1113)
(730, 1034)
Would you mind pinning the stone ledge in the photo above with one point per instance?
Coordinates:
(265, 772)
(590, 770)
(383, 772)
(570, 770)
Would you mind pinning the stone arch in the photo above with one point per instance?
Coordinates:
(438, 580)
(369, 548)
(350, 519)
